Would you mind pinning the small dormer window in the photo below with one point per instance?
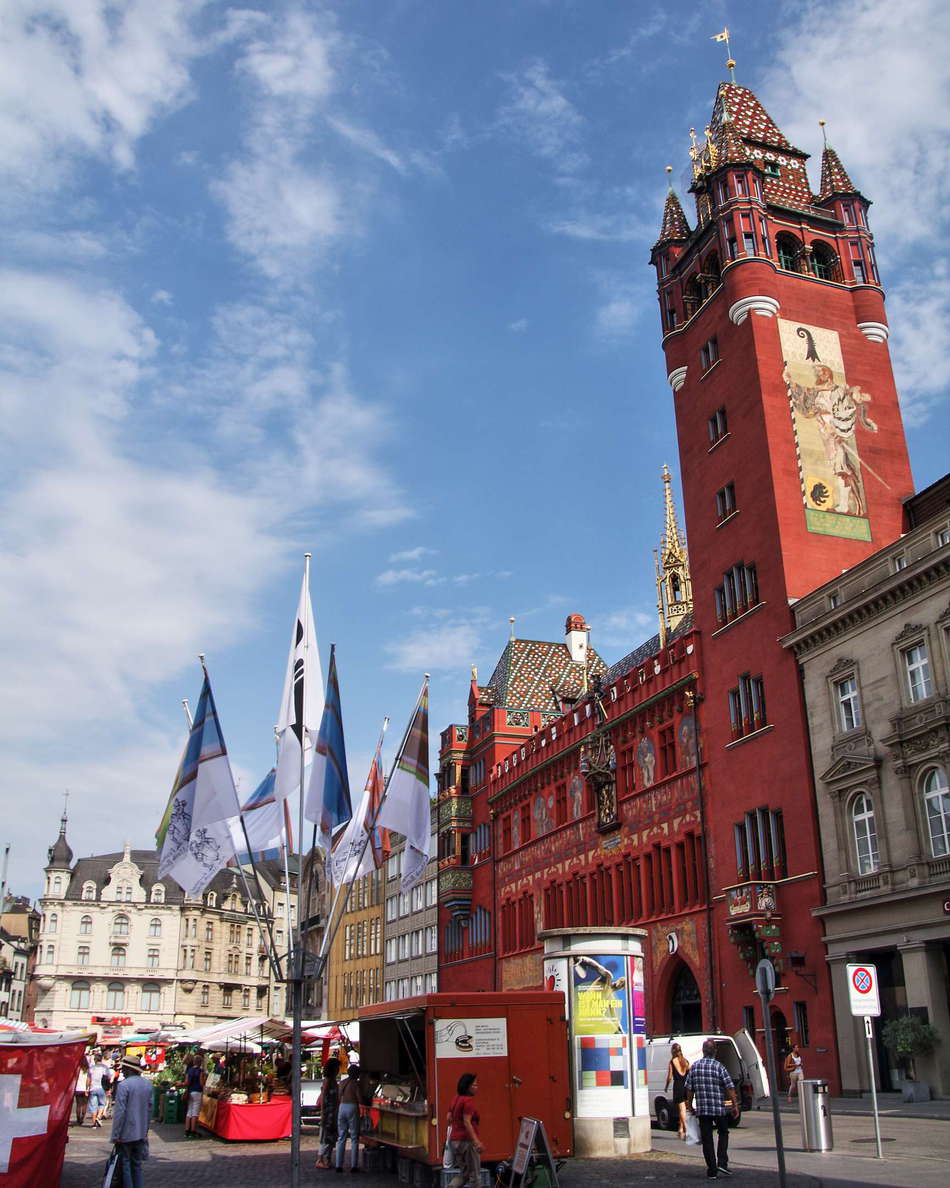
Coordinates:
(772, 169)
(212, 899)
(158, 893)
(89, 890)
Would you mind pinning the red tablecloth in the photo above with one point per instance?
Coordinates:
(253, 1123)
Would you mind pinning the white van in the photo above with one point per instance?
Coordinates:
(737, 1052)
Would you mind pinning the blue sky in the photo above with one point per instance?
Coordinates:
(369, 279)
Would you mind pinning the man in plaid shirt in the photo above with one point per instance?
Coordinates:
(709, 1085)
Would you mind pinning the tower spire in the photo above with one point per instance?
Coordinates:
(834, 176)
(674, 589)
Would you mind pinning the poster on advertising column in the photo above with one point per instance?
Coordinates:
(601, 1026)
(638, 1056)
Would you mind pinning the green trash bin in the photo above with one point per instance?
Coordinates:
(170, 1112)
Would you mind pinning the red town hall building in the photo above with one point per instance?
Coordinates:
(794, 468)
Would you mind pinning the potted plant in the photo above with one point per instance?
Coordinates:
(908, 1037)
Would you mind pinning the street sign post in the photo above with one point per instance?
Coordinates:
(765, 987)
(864, 996)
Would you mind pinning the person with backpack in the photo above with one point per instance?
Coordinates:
(463, 1133)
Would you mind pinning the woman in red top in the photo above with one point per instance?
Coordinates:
(463, 1119)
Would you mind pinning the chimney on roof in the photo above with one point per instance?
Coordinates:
(577, 638)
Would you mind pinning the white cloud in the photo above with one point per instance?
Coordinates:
(162, 297)
(415, 554)
(107, 73)
(367, 141)
(622, 630)
(519, 326)
(435, 649)
(398, 577)
(538, 113)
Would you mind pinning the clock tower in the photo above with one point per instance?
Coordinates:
(794, 467)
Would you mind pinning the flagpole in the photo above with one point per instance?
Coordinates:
(323, 955)
(285, 848)
(322, 958)
(269, 949)
(298, 963)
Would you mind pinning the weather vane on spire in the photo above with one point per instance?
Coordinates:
(730, 61)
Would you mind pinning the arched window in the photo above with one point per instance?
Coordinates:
(151, 999)
(937, 805)
(57, 885)
(789, 251)
(85, 926)
(82, 955)
(115, 997)
(865, 834)
(52, 922)
(89, 890)
(79, 996)
(686, 1011)
(158, 893)
(120, 926)
(712, 269)
(118, 957)
(212, 899)
(155, 926)
(824, 262)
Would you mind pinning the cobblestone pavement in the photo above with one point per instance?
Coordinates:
(917, 1156)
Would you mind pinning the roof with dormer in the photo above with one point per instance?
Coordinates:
(834, 176)
(98, 868)
(674, 225)
(536, 674)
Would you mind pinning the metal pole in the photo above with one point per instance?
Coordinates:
(868, 1031)
(773, 1085)
(3, 878)
(298, 968)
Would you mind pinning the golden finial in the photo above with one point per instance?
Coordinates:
(669, 178)
(824, 134)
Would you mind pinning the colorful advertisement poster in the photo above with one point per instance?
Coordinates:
(470, 1038)
(639, 996)
(601, 1021)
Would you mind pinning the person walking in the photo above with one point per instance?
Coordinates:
(194, 1086)
(133, 1110)
(329, 1103)
(793, 1070)
(99, 1080)
(464, 1133)
(676, 1073)
(348, 1118)
(709, 1089)
(81, 1092)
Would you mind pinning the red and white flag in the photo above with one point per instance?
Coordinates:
(37, 1078)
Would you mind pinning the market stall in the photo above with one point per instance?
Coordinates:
(416, 1050)
(247, 1090)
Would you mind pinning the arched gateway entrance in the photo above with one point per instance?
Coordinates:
(686, 1008)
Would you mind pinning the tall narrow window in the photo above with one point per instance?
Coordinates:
(937, 806)
(865, 834)
(718, 426)
(79, 996)
(708, 353)
(917, 670)
(115, 997)
(725, 501)
(85, 926)
(849, 707)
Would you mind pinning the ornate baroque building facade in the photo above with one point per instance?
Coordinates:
(120, 950)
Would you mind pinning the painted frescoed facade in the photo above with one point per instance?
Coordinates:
(794, 467)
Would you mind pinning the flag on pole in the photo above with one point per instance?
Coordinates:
(363, 846)
(328, 803)
(406, 802)
(194, 835)
(302, 702)
(264, 820)
(723, 36)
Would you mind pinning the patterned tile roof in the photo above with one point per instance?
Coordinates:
(674, 225)
(834, 176)
(531, 671)
(742, 130)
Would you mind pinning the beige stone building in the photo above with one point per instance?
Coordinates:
(410, 931)
(874, 651)
(121, 950)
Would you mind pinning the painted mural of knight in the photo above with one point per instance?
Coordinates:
(826, 411)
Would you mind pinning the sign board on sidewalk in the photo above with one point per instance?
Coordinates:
(532, 1141)
(863, 989)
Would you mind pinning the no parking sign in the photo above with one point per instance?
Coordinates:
(863, 989)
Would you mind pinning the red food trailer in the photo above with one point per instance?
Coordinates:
(415, 1050)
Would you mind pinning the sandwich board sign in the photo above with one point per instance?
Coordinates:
(863, 991)
(532, 1142)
